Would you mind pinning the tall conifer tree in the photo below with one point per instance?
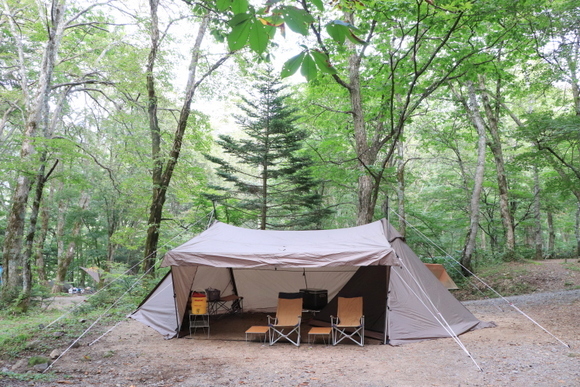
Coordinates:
(271, 178)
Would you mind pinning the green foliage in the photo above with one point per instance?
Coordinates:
(271, 177)
(15, 302)
(256, 27)
(101, 131)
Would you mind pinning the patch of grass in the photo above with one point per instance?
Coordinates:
(26, 334)
(7, 376)
(34, 360)
(532, 261)
(571, 266)
(506, 278)
(502, 271)
(109, 354)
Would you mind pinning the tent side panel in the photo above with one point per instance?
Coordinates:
(420, 307)
(158, 310)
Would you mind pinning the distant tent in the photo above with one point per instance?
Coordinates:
(441, 274)
(370, 260)
(94, 272)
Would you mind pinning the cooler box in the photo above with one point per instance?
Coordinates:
(314, 299)
(198, 303)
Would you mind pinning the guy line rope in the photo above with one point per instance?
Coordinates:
(482, 281)
(210, 215)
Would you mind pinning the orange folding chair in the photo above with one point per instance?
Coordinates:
(287, 320)
(349, 322)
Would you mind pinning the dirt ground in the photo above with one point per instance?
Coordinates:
(516, 353)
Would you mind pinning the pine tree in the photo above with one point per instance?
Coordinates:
(271, 180)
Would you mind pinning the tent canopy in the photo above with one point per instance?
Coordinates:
(403, 300)
(223, 245)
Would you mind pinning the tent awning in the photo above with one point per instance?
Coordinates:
(223, 245)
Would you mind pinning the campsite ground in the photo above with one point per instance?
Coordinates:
(515, 353)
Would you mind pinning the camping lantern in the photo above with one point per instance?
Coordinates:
(198, 303)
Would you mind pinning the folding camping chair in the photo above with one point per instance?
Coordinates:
(349, 322)
(288, 318)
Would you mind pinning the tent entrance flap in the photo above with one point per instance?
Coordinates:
(371, 284)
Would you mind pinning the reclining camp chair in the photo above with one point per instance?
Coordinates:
(349, 322)
(288, 318)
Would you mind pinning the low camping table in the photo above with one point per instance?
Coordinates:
(319, 331)
(258, 330)
(229, 305)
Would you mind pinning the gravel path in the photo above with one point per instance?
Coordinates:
(515, 353)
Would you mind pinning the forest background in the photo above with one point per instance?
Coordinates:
(459, 120)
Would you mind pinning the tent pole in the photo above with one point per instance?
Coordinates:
(178, 328)
(386, 208)
(386, 329)
(233, 279)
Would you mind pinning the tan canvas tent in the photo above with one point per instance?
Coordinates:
(370, 260)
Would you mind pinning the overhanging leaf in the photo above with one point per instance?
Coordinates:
(271, 21)
(308, 68)
(297, 19)
(337, 32)
(292, 65)
(323, 62)
(240, 6)
(222, 5)
(259, 37)
(345, 24)
(318, 4)
(239, 35)
(238, 18)
(355, 39)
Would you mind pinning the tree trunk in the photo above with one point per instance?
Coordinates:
(112, 225)
(29, 241)
(401, 189)
(161, 176)
(12, 255)
(39, 248)
(558, 168)
(57, 287)
(475, 116)
(537, 216)
(264, 209)
(365, 207)
(156, 207)
(493, 117)
(577, 231)
(65, 260)
(551, 235)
